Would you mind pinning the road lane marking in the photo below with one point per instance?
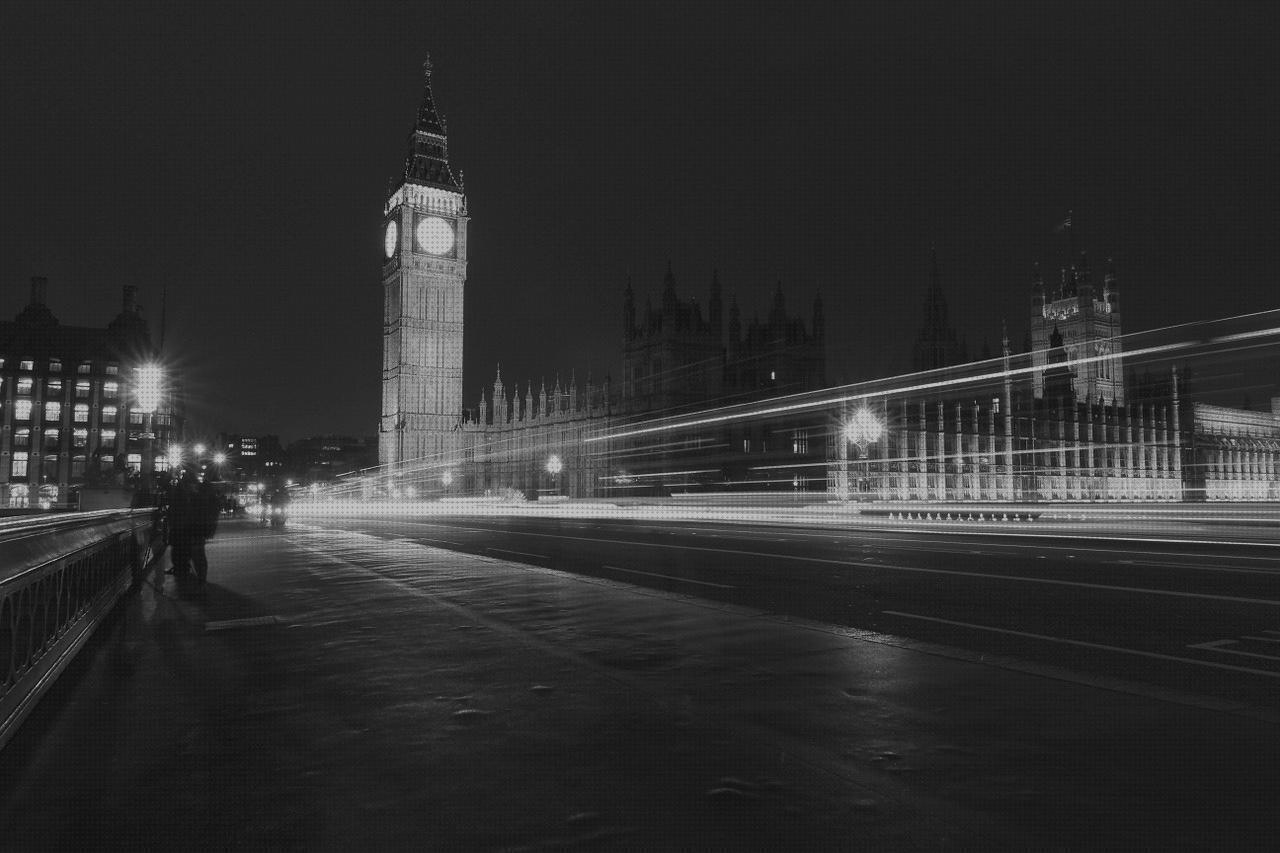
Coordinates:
(1216, 646)
(248, 622)
(865, 565)
(926, 540)
(1120, 649)
(520, 553)
(668, 577)
(446, 541)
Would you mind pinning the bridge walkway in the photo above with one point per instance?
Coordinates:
(333, 690)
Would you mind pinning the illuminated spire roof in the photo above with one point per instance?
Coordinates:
(428, 160)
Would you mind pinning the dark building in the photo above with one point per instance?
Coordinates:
(252, 458)
(78, 410)
(936, 344)
(321, 458)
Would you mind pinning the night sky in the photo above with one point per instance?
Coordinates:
(239, 155)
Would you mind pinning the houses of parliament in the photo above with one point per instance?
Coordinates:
(1068, 425)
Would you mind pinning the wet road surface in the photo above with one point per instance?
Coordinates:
(1200, 616)
(347, 690)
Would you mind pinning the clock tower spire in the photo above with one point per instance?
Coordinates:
(424, 274)
(427, 162)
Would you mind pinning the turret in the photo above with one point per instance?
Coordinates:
(778, 313)
(1111, 286)
(669, 299)
(735, 323)
(629, 312)
(714, 306)
(1037, 292)
(499, 399)
(1084, 281)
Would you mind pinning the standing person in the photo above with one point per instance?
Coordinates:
(182, 519)
(206, 507)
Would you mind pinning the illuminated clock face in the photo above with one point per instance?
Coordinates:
(391, 238)
(435, 235)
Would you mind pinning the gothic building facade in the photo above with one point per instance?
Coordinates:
(674, 358)
(674, 361)
(424, 276)
(1087, 320)
(1060, 424)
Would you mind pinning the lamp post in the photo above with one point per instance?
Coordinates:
(148, 386)
(554, 466)
(861, 430)
(446, 480)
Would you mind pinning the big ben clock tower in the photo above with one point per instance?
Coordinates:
(424, 273)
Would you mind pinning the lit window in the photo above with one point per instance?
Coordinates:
(113, 369)
(25, 385)
(746, 445)
(110, 390)
(800, 441)
(53, 388)
(26, 364)
(55, 367)
(773, 375)
(135, 418)
(80, 438)
(22, 410)
(19, 463)
(51, 437)
(81, 415)
(52, 410)
(82, 390)
(133, 461)
(84, 368)
(109, 414)
(22, 437)
(108, 438)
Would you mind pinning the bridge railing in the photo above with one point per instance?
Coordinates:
(59, 578)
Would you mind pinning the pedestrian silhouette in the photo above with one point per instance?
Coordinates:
(193, 519)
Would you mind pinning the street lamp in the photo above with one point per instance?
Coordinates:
(554, 467)
(861, 430)
(446, 478)
(148, 387)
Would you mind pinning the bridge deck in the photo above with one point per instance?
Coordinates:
(330, 690)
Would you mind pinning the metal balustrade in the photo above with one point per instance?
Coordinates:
(59, 578)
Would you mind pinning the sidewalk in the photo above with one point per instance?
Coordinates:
(335, 691)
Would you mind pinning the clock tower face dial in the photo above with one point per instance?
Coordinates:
(391, 239)
(434, 235)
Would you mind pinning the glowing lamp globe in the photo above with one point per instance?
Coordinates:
(147, 387)
(863, 427)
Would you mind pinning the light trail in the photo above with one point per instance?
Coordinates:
(877, 565)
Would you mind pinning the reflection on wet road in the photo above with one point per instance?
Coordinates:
(1166, 614)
